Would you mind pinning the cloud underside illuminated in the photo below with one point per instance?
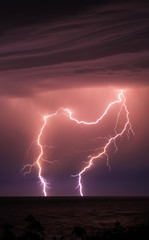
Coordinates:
(105, 46)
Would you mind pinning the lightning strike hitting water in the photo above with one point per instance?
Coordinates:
(127, 127)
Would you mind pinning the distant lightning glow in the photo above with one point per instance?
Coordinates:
(127, 127)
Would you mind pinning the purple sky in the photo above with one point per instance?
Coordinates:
(78, 57)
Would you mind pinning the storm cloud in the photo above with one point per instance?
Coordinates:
(74, 54)
(104, 45)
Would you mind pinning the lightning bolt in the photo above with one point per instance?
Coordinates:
(127, 127)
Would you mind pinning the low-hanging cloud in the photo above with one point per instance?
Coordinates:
(106, 45)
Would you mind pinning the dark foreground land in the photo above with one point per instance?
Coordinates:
(74, 218)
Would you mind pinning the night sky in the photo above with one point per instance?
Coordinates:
(75, 54)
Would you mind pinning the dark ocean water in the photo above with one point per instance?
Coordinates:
(60, 214)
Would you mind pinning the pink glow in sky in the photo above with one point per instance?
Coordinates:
(77, 60)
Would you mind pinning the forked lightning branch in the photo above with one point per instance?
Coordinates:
(127, 127)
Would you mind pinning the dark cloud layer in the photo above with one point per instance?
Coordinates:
(53, 54)
(103, 45)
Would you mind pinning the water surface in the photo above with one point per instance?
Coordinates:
(60, 214)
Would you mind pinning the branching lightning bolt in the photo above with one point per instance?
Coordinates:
(98, 154)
